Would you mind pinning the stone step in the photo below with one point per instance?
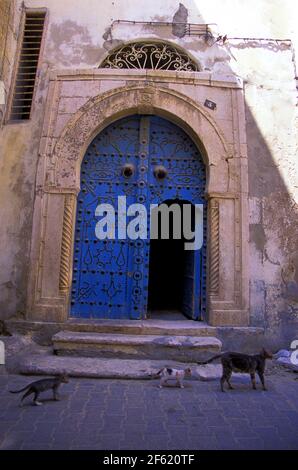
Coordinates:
(244, 339)
(91, 367)
(138, 327)
(121, 346)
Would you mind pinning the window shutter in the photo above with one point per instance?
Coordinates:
(27, 66)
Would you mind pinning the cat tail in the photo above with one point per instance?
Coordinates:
(19, 391)
(209, 360)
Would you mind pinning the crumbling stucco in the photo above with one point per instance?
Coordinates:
(71, 44)
(180, 21)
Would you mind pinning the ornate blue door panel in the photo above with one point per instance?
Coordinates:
(107, 276)
(148, 160)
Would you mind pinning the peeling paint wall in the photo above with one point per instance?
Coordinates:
(80, 36)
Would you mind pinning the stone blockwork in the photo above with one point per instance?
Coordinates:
(249, 143)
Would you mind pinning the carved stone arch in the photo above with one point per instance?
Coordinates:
(102, 110)
(58, 183)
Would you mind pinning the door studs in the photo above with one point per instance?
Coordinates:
(160, 172)
(128, 170)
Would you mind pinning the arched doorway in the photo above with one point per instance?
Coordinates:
(147, 160)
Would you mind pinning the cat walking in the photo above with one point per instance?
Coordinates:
(41, 386)
(238, 362)
(167, 373)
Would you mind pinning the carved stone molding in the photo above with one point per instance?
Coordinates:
(59, 183)
(66, 243)
(214, 247)
(100, 111)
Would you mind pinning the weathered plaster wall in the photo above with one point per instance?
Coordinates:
(18, 160)
(81, 36)
(271, 102)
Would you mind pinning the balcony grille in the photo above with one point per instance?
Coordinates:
(27, 66)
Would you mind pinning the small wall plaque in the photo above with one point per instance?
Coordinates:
(210, 104)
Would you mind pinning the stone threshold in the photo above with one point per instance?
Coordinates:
(246, 339)
(191, 327)
(135, 327)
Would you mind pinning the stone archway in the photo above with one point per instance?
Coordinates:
(58, 184)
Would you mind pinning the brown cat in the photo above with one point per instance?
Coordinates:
(41, 386)
(238, 362)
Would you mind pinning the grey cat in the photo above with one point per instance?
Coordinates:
(238, 362)
(41, 386)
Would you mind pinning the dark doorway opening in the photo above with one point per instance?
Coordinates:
(168, 263)
(166, 275)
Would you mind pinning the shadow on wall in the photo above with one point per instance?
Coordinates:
(273, 212)
(273, 241)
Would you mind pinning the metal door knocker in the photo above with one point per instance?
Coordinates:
(128, 170)
(160, 172)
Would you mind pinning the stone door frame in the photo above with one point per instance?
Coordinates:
(222, 143)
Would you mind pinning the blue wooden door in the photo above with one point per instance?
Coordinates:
(171, 148)
(110, 277)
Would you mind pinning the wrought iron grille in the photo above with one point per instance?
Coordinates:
(27, 65)
(149, 56)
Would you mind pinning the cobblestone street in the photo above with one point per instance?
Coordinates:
(118, 414)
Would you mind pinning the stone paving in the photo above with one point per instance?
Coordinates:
(130, 414)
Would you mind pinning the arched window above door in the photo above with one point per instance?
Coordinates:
(150, 55)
